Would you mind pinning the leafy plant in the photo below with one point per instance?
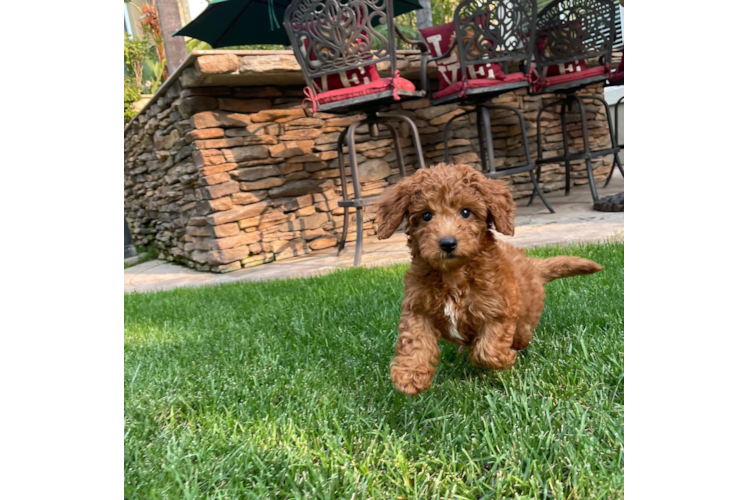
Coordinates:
(152, 27)
(156, 69)
(407, 30)
(255, 47)
(195, 44)
(132, 95)
(442, 12)
(136, 51)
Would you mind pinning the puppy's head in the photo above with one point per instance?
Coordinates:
(448, 209)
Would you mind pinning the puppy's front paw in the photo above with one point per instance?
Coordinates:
(493, 360)
(408, 380)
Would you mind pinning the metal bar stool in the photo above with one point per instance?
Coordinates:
(494, 41)
(338, 49)
(569, 33)
(616, 79)
(618, 141)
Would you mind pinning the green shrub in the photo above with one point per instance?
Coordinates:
(136, 52)
(131, 96)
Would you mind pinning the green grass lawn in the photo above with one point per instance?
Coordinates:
(282, 390)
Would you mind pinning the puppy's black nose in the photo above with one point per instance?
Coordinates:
(448, 244)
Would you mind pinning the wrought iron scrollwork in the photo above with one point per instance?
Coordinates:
(494, 30)
(569, 30)
(329, 36)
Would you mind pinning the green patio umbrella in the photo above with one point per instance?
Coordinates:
(225, 23)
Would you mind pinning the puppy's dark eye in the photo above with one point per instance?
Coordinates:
(426, 216)
(465, 213)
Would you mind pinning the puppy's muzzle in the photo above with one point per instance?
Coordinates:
(448, 244)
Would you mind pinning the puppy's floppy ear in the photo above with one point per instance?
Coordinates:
(392, 208)
(501, 206)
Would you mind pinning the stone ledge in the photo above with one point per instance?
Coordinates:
(247, 68)
(250, 68)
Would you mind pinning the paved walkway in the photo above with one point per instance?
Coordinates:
(573, 221)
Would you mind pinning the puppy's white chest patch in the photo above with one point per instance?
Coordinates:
(450, 311)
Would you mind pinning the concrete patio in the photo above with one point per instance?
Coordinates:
(574, 221)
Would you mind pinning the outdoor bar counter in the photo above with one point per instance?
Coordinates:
(226, 168)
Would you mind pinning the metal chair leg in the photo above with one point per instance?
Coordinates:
(356, 189)
(414, 133)
(565, 137)
(347, 134)
(446, 141)
(341, 245)
(616, 163)
(481, 144)
(446, 135)
(618, 132)
(613, 131)
(591, 177)
(537, 177)
(540, 192)
(485, 117)
(540, 144)
(611, 128)
(523, 128)
(359, 235)
(526, 146)
(585, 138)
(610, 175)
(398, 148)
(538, 140)
(341, 166)
(617, 159)
(526, 143)
(618, 120)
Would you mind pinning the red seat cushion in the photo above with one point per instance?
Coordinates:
(563, 69)
(361, 90)
(457, 88)
(574, 76)
(439, 40)
(617, 75)
(346, 79)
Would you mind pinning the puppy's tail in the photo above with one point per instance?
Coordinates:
(564, 266)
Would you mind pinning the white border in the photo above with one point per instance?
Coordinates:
(674, 93)
(685, 25)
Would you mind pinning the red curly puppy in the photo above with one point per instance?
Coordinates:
(463, 284)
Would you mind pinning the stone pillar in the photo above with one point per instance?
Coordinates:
(130, 250)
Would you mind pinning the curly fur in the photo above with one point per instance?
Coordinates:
(486, 295)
